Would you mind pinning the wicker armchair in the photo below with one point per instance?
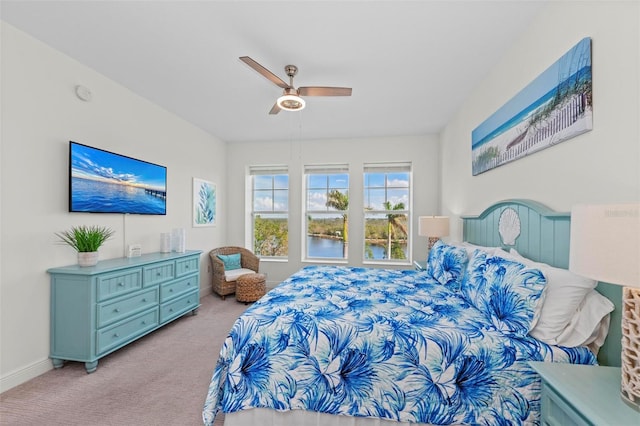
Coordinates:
(219, 284)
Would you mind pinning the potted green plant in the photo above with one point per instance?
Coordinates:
(86, 240)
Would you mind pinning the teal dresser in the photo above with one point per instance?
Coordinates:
(97, 310)
(582, 395)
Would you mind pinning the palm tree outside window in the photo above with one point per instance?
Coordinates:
(387, 201)
(327, 212)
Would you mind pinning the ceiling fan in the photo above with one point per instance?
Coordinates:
(291, 99)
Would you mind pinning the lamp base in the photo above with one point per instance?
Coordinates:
(630, 383)
(432, 241)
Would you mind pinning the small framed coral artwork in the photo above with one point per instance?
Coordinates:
(204, 203)
(553, 108)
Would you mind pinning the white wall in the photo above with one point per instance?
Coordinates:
(40, 114)
(602, 165)
(422, 151)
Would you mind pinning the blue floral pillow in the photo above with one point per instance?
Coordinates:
(231, 261)
(447, 264)
(505, 291)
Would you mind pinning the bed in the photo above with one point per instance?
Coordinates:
(449, 345)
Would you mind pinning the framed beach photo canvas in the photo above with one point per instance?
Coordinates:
(553, 108)
(204, 203)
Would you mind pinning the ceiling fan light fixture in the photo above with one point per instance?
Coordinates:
(290, 99)
(291, 103)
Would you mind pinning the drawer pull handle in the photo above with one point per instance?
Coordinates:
(144, 322)
(144, 300)
(170, 290)
(120, 284)
(116, 335)
(186, 266)
(116, 310)
(170, 309)
(158, 274)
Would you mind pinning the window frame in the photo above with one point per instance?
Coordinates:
(273, 171)
(322, 169)
(387, 169)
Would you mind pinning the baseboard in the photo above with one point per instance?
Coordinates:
(206, 291)
(25, 374)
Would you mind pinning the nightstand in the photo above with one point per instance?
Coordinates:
(582, 395)
(420, 265)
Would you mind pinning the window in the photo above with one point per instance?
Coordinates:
(387, 189)
(326, 212)
(270, 211)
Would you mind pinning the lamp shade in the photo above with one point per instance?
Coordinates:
(605, 243)
(433, 226)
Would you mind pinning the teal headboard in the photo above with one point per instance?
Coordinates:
(543, 237)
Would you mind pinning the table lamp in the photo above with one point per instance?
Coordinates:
(433, 227)
(605, 246)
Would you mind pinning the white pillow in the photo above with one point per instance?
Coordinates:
(590, 325)
(564, 293)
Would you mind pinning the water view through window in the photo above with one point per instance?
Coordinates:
(332, 248)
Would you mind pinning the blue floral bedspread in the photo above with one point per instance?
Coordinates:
(379, 343)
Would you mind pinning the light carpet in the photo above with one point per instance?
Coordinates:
(161, 379)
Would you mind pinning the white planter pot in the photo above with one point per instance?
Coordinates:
(88, 258)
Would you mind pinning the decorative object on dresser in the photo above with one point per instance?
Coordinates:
(605, 246)
(433, 227)
(97, 310)
(86, 240)
(165, 242)
(226, 269)
(178, 240)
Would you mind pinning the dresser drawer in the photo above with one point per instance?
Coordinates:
(111, 337)
(118, 309)
(116, 284)
(179, 306)
(556, 412)
(173, 289)
(187, 266)
(159, 273)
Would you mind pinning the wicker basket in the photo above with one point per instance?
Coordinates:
(250, 287)
(219, 284)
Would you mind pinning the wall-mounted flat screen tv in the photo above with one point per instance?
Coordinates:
(104, 182)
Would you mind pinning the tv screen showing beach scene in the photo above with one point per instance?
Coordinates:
(104, 182)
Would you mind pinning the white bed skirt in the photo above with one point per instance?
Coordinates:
(267, 417)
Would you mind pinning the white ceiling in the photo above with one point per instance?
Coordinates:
(411, 64)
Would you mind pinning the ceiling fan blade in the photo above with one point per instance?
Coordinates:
(265, 72)
(275, 109)
(324, 91)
